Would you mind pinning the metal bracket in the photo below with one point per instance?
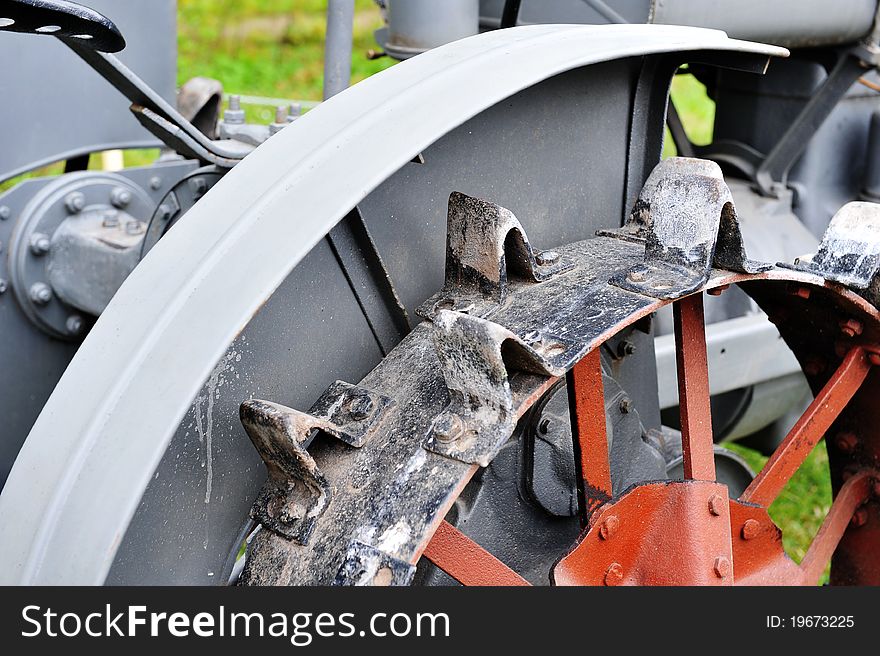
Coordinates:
(850, 250)
(486, 248)
(367, 565)
(297, 491)
(474, 355)
(58, 18)
(686, 217)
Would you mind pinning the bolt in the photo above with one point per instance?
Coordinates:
(814, 366)
(74, 324)
(751, 528)
(846, 442)
(717, 291)
(198, 186)
(360, 406)
(614, 574)
(155, 182)
(40, 243)
(294, 112)
(164, 212)
(75, 202)
(636, 276)
(5, 212)
(609, 527)
(851, 327)
(716, 504)
(40, 293)
(234, 114)
(803, 292)
(721, 567)
(625, 405)
(544, 425)
(546, 258)
(120, 197)
(448, 428)
(625, 348)
(859, 518)
(134, 227)
(3, 286)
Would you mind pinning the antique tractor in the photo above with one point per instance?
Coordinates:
(462, 314)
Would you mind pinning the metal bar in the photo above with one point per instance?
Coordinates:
(510, 15)
(775, 167)
(466, 561)
(586, 401)
(682, 142)
(851, 495)
(337, 46)
(809, 429)
(698, 451)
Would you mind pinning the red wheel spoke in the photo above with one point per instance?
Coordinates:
(586, 394)
(698, 449)
(466, 561)
(809, 429)
(851, 495)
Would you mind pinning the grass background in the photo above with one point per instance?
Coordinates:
(274, 48)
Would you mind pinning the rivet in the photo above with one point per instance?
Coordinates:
(609, 527)
(751, 528)
(846, 442)
(614, 574)
(721, 567)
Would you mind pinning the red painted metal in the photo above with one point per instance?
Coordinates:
(809, 429)
(693, 389)
(852, 494)
(466, 561)
(587, 402)
(664, 534)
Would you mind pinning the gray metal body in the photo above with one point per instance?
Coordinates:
(56, 108)
(183, 472)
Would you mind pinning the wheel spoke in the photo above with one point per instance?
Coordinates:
(586, 396)
(809, 429)
(852, 494)
(466, 561)
(698, 451)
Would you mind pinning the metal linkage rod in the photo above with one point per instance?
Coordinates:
(466, 561)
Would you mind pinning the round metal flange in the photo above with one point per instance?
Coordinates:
(177, 202)
(30, 250)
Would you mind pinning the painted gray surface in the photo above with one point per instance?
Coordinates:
(95, 447)
(66, 108)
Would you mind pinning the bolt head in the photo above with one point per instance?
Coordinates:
(625, 405)
(851, 327)
(721, 567)
(74, 324)
(75, 202)
(40, 243)
(751, 528)
(636, 276)
(448, 427)
(360, 406)
(716, 505)
(859, 518)
(625, 348)
(198, 186)
(120, 197)
(609, 527)
(5, 212)
(40, 293)
(546, 258)
(614, 574)
(846, 442)
(155, 182)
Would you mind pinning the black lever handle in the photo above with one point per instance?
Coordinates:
(67, 20)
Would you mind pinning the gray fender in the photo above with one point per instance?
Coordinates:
(87, 461)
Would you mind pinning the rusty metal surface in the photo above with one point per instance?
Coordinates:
(693, 389)
(656, 534)
(809, 429)
(586, 393)
(466, 561)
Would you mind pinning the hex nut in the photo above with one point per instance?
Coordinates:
(120, 197)
(721, 567)
(716, 505)
(75, 202)
(448, 427)
(546, 258)
(751, 528)
(40, 243)
(40, 293)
